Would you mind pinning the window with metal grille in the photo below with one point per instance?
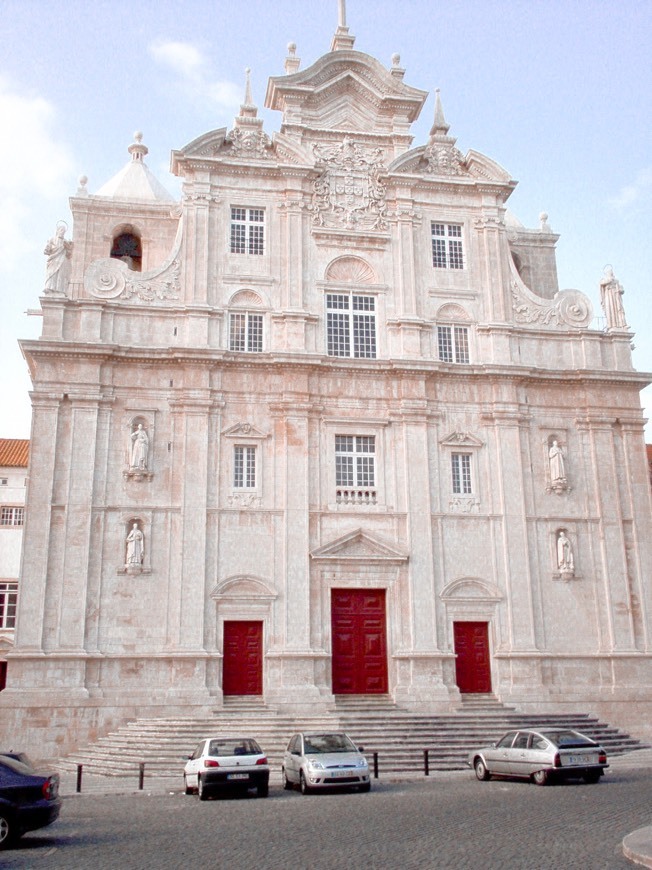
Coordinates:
(461, 473)
(447, 247)
(8, 603)
(247, 230)
(244, 467)
(12, 516)
(355, 460)
(453, 343)
(351, 325)
(246, 332)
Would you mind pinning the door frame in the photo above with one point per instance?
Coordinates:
(365, 590)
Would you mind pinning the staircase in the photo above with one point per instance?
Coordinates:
(398, 736)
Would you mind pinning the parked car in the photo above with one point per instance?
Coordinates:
(544, 755)
(226, 763)
(29, 799)
(324, 760)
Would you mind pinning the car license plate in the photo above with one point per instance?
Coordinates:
(237, 776)
(580, 759)
(340, 772)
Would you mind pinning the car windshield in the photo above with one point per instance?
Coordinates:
(236, 746)
(567, 739)
(317, 743)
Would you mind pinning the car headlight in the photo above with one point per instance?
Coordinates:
(316, 765)
(361, 762)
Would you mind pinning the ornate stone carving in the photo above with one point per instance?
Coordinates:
(566, 308)
(244, 500)
(58, 250)
(249, 143)
(464, 504)
(443, 158)
(350, 270)
(110, 278)
(349, 192)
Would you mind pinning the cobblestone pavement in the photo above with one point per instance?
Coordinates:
(444, 821)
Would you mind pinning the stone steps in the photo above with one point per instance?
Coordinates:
(398, 736)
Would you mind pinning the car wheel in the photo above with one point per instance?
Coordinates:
(6, 831)
(540, 777)
(591, 777)
(303, 785)
(366, 786)
(287, 785)
(187, 788)
(480, 770)
(202, 791)
(263, 789)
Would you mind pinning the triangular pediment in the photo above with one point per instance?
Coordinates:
(243, 430)
(461, 439)
(359, 546)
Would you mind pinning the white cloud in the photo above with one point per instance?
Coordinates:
(196, 78)
(634, 193)
(35, 167)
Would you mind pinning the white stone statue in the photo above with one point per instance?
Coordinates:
(611, 299)
(135, 547)
(556, 459)
(57, 269)
(565, 561)
(139, 449)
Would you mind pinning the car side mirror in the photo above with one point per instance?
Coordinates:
(360, 748)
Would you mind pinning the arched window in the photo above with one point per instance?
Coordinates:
(126, 246)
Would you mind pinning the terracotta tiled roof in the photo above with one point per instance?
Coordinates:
(14, 452)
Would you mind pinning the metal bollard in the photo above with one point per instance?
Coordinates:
(426, 763)
(141, 775)
(375, 765)
(80, 767)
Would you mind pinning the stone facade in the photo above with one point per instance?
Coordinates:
(327, 425)
(14, 456)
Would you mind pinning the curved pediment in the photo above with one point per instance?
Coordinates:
(345, 89)
(470, 588)
(359, 546)
(441, 159)
(243, 586)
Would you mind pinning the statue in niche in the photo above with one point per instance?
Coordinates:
(57, 269)
(135, 547)
(565, 561)
(611, 299)
(557, 466)
(139, 449)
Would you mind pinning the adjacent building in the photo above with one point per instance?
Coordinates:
(326, 426)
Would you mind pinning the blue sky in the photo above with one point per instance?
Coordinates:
(559, 93)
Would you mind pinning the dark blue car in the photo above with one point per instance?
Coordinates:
(29, 799)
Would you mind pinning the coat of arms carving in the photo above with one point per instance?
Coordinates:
(349, 192)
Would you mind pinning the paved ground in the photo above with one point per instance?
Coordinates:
(448, 820)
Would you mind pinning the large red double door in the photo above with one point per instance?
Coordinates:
(242, 665)
(359, 641)
(473, 661)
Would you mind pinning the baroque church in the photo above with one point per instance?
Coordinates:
(326, 426)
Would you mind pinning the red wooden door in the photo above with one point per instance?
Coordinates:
(359, 630)
(473, 664)
(242, 671)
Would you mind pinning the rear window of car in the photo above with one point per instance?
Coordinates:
(11, 767)
(234, 747)
(568, 739)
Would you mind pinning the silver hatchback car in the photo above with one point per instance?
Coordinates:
(324, 760)
(545, 755)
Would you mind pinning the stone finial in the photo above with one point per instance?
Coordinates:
(396, 59)
(544, 225)
(248, 100)
(292, 62)
(397, 70)
(137, 149)
(342, 40)
(82, 190)
(439, 127)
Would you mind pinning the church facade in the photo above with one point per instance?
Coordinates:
(326, 426)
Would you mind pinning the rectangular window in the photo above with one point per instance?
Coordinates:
(244, 467)
(4, 481)
(247, 230)
(246, 332)
(461, 473)
(355, 460)
(12, 516)
(447, 249)
(8, 603)
(351, 325)
(453, 344)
